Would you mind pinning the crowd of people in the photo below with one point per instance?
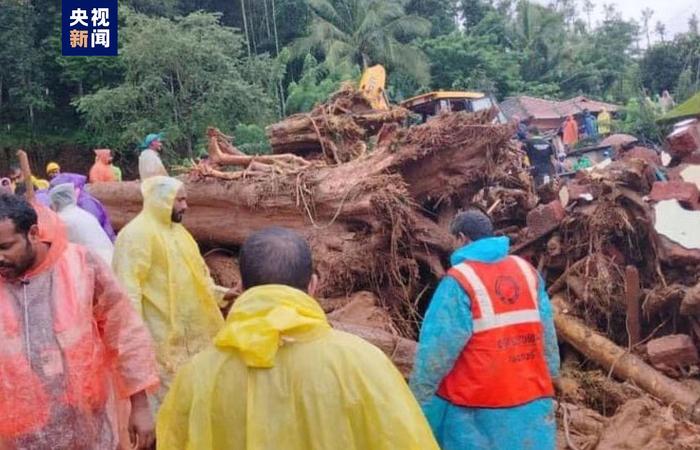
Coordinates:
(118, 341)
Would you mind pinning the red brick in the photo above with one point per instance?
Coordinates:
(684, 141)
(545, 218)
(686, 193)
(673, 351)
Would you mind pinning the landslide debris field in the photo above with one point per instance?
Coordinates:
(619, 250)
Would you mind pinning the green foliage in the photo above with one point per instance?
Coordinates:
(640, 120)
(460, 61)
(180, 76)
(318, 81)
(663, 64)
(367, 32)
(251, 139)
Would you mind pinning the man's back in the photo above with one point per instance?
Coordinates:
(326, 390)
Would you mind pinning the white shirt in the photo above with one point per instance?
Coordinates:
(150, 165)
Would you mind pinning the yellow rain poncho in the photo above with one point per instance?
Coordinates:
(604, 122)
(278, 377)
(159, 264)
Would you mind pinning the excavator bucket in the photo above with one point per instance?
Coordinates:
(373, 84)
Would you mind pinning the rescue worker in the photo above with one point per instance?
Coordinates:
(72, 345)
(159, 264)
(488, 352)
(101, 171)
(85, 200)
(604, 123)
(17, 180)
(279, 377)
(540, 153)
(150, 164)
(570, 132)
(52, 169)
(81, 226)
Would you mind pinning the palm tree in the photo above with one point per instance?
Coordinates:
(646, 17)
(366, 32)
(589, 7)
(661, 30)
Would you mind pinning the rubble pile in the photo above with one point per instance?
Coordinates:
(617, 245)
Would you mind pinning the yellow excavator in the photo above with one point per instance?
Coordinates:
(373, 83)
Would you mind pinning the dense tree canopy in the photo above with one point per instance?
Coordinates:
(240, 64)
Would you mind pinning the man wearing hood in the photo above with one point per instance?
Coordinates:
(278, 377)
(85, 200)
(159, 264)
(72, 345)
(81, 226)
(150, 164)
(487, 354)
(101, 171)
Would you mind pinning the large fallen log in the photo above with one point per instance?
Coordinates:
(401, 351)
(363, 218)
(336, 131)
(622, 363)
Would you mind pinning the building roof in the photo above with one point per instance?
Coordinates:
(688, 109)
(438, 95)
(539, 108)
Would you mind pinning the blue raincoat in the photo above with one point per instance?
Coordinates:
(446, 330)
(591, 125)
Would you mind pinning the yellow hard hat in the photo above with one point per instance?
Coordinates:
(52, 166)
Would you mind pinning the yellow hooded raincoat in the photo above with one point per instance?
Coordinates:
(159, 264)
(279, 377)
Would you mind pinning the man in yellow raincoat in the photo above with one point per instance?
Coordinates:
(279, 378)
(159, 264)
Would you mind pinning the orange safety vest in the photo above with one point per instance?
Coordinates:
(503, 364)
(24, 402)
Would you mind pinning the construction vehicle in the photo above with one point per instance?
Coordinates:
(373, 85)
(436, 102)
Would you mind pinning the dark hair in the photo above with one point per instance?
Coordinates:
(19, 211)
(532, 129)
(14, 168)
(473, 224)
(276, 256)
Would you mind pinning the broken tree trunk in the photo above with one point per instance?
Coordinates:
(363, 218)
(621, 363)
(335, 131)
(401, 351)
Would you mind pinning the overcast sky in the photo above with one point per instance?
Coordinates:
(673, 13)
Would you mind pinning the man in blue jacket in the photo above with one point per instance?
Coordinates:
(488, 353)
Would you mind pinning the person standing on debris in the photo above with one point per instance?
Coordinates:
(278, 376)
(604, 123)
(101, 171)
(488, 350)
(666, 102)
(540, 153)
(570, 132)
(159, 264)
(590, 124)
(71, 343)
(81, 226)
(150, 164)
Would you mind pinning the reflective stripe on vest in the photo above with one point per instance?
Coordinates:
(488, 318)
(503, 364)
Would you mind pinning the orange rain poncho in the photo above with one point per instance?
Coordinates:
(71, 346)
(570, 137)
(101, 171)
(160, 265)
(280, 377)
